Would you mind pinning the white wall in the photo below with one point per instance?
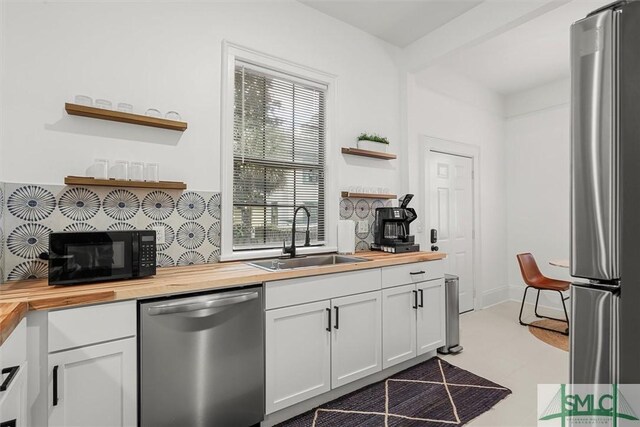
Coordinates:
(538, 150)
(168, 56)
(437, 108)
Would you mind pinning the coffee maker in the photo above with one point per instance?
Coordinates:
(391, 228)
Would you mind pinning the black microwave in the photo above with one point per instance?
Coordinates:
(96, 256)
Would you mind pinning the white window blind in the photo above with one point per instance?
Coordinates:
(278, 158)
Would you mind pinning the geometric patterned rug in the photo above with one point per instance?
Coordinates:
(433, 393)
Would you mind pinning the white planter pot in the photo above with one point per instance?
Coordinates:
(365, 144)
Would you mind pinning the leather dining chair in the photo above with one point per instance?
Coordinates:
(534, 279)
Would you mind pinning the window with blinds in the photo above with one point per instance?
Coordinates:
(278, 158)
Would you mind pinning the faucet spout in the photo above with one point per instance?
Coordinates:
(292, 249)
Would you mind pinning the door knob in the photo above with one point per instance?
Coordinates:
(434, 248)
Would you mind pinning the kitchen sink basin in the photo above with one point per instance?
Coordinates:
(302, 262)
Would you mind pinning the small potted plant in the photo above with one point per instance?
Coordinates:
(372, 142)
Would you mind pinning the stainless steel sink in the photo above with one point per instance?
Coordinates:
(310, 261)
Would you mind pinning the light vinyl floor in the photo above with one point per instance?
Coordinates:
(498, 348)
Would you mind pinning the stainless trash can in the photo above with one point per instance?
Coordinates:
(452, 315)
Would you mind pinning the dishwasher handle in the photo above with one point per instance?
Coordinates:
(201, 304)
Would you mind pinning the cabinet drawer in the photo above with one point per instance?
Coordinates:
(282, 293)
(75, 327)
(412, 273)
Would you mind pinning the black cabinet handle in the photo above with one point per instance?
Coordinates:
(337, 317)
(10, 423)
(415, 299)
(12, 371)
(421, 298)
(55, 385)
(417, 272)
(328, 328)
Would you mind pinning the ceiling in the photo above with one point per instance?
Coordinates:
(399, 22)
(530, 55)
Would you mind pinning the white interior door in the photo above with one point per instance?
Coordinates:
(451, 201)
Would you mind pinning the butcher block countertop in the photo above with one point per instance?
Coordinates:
(16, 298)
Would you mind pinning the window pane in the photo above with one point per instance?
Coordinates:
(279, 152)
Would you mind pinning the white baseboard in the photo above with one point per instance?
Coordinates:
(495, 296)
(548, 300)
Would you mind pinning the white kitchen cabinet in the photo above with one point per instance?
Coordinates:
(312, 348)
(92, 365)
(399, 325)
(413, 320)
(13, 378)
(94, 385)
(13, 400)
(430, 313)
(298, 354)
(356, 341)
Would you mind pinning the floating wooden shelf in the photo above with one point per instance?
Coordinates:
(367, 153)
(368, 195)
(84, 180)
(119, 116)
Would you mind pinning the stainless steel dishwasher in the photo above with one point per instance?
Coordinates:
(201, 359)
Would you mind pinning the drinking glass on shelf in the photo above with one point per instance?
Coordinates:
(119, 170)
(173, 115)
(152, 172)
(152, 112)
(124, 107)
(105, 104)
(83, 100)
(100, 169)
(136, 171)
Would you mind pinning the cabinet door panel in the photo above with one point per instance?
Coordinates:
(298, 354)
(431, 316)
(356, 343)
(96, 385)
(398, 325)
(13, 401)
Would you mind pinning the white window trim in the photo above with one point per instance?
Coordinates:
(230, 53)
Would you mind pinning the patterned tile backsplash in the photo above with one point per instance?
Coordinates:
(191, 221)
(362, 210)
(29, 212)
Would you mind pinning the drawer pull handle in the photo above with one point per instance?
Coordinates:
(417, 272)
(10, 423)
(336, 326)
(421, 298)
(12, 371)
(55, 385)
(415, 299)
(328, 328)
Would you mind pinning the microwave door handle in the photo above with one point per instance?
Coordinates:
(186, 307)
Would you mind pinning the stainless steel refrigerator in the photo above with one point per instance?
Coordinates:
(605, 196)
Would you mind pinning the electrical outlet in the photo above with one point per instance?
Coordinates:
(363, 227)
(160, 238)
